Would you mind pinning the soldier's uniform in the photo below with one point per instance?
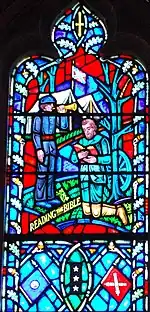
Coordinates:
(44, 128)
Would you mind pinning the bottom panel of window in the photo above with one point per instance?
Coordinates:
(79, 276)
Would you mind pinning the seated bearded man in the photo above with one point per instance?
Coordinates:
(93, 155)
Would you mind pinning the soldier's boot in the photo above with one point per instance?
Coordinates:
(122, 214)
(112, 210)
(96, 210)
(86, 208)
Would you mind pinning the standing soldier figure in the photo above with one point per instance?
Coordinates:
(44, 129)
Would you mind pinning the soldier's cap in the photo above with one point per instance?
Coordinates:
(48, 99)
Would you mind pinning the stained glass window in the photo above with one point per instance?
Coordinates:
(77, 163)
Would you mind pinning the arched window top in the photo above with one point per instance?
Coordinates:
(78, 27)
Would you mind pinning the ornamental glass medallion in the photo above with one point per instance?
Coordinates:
(77, 162)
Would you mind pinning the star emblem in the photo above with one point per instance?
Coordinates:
(76, 269)
(75, 288)
(75, 278)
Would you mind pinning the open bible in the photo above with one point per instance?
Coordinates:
(91, 149)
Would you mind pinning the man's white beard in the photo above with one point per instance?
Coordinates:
(90, 136)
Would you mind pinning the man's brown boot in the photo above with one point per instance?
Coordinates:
(86, 209)
(122, 214)
(96, 210)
